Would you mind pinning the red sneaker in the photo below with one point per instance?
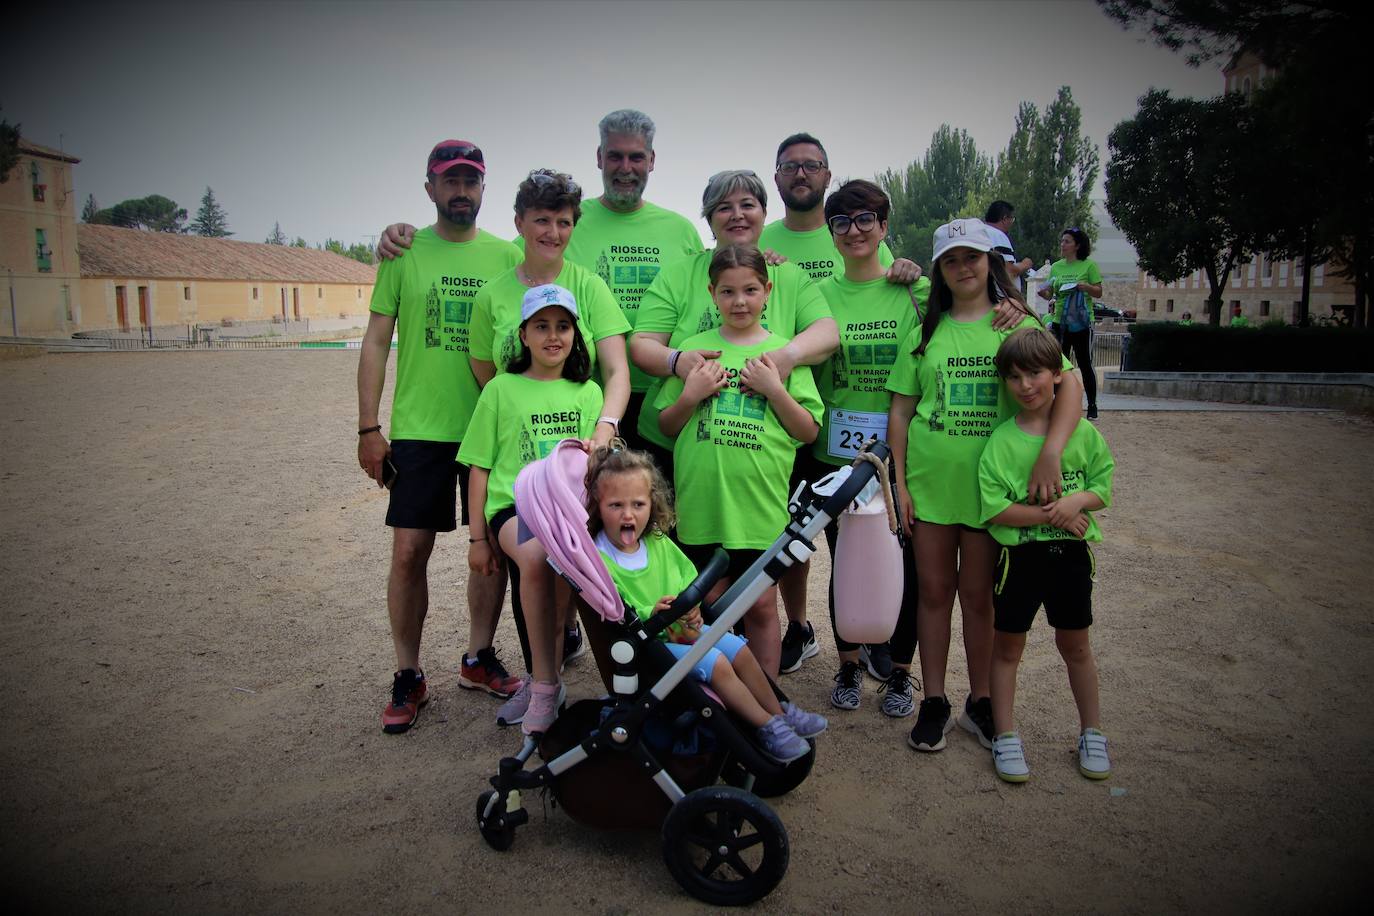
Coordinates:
(485, 672)
(408, 693)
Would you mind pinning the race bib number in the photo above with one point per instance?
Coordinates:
(850, 430)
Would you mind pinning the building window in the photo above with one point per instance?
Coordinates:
(1264, 308)
(39, 189)
(1245, 87)
(186, 293)
(1268, 267)
(360, 292)
(1235, 304)
(319, 292)
(255, 292)
(1152, 304)
(67, 301)
(1169, 306)
(43, 252)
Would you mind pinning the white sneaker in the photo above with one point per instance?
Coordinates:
(1093, 761)
(1009, 758)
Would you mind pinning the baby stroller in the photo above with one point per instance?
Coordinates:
(652, 752)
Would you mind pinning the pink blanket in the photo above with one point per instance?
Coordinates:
(550, 499)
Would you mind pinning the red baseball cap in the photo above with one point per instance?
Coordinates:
(448, 153)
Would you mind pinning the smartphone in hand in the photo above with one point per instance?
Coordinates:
(388, 472)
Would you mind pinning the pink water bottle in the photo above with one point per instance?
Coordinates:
(868, 575)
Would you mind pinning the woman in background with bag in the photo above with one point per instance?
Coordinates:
(1074, 282)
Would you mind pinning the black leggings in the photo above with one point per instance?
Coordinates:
(1080, 342)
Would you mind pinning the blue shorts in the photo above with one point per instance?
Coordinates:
(729, 646)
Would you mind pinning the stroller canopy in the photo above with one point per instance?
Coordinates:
(551, 501)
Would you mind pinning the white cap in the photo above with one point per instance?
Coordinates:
(961, 233)
(541, 297)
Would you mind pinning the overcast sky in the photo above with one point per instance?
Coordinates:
(320, 115)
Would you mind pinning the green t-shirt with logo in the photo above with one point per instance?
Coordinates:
(666, 572)
(733, 458)
(813, 251)
(519, 420)
(1063, 273)
(678, 303)
(496, 314)
(430, 290)
(960, 401)
(1004, 478)
(627, 250)
(874, 317)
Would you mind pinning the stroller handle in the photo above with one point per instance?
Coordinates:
(692, 595)
(837, 502)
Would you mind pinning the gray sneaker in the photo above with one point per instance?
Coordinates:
(898, 701)
(805, 724)
(849, 687)
(877, 659)
(512, 712)
(780, 742)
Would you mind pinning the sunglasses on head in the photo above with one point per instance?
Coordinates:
(544, 179)
(448, 153)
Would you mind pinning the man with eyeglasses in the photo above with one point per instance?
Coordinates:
(802, 174)
(426, 299)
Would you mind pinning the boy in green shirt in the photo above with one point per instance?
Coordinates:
(1045, 558)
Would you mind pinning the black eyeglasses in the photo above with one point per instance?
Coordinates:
(841, 224)
(810, 167)
(447, 153)
(544, 179)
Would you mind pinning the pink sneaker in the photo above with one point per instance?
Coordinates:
(545, 701)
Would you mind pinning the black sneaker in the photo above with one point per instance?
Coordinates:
(932, 722)
(1092, 411)
(977, 720)
(877, 659)
(574, 646)
(798, 644)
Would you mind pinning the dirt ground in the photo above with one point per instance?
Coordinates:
(196, 653)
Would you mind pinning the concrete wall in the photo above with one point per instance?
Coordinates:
(1337, 390)
(176, 302)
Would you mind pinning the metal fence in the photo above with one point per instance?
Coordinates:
(1107, 349)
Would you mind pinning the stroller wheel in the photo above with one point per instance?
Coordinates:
(725, 846)
(496, 828)
(793, 775)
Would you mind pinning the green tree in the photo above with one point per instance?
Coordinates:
(89, 211)
(277, 237)
(300, 243)
(360, 253)
(9, 149)
(1177, 185)
(1322, 135)
(154, 213)
(934, 190)
(335, 246)
(1047, 171)
(211, 220)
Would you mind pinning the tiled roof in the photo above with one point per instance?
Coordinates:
(108, 251)
(46, 151)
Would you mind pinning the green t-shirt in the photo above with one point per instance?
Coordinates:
(813, 251)
(1063, 273)
(626, 250)
(1239, 321)
(667, 572)
(430, 290)
(874, 317)
(678, 303)
(1004, 477)
(520, 419)
(960, 401)
(733, 458)
(496, 314)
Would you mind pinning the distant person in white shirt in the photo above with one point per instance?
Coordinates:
(999, 218)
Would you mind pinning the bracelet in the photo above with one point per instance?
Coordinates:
(477, 540)
(370, 429)
(615, 424)
(672, 362)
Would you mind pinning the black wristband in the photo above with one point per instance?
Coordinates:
(370, 429)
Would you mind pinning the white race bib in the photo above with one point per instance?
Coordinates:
(850, 430)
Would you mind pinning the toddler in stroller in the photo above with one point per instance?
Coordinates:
(723, 844)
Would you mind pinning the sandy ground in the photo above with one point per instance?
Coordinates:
(196, 654)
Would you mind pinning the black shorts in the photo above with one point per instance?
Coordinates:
(425, 493)
(1057, 574)
(740, 558)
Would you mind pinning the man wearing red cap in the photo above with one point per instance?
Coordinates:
(425, 299)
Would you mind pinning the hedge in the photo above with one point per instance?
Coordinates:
(1168, 347)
